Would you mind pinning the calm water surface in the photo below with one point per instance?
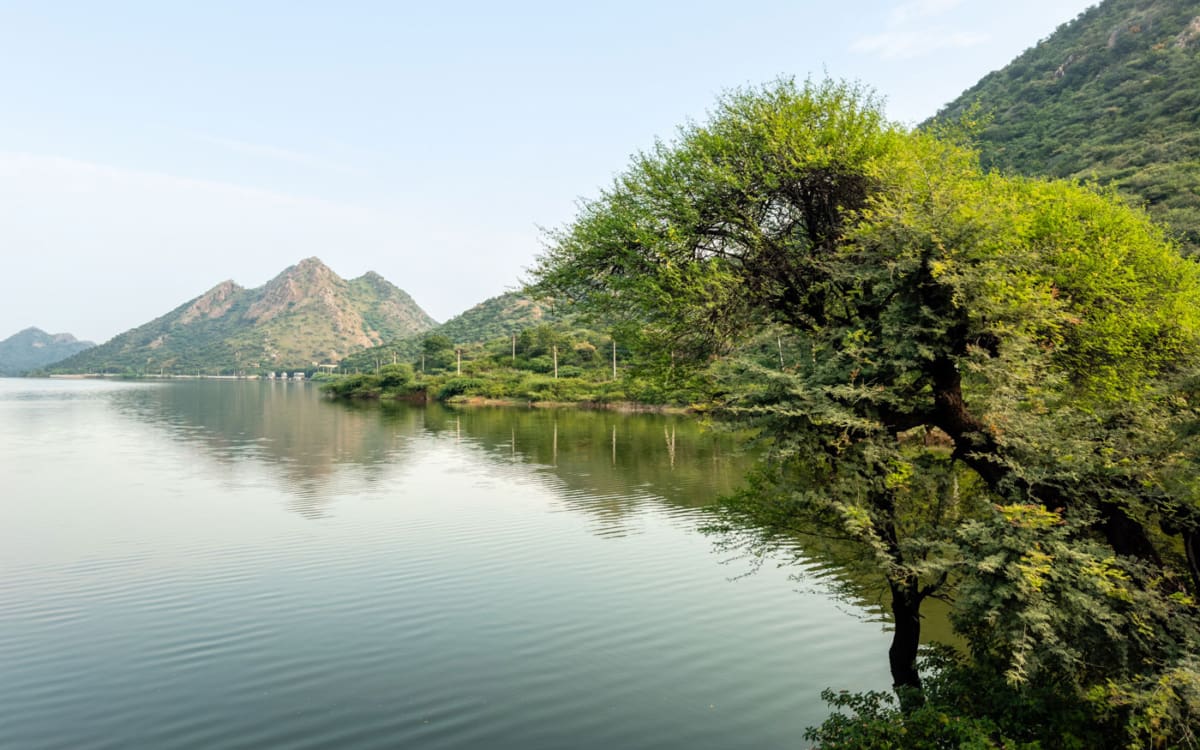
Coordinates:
(222, 564)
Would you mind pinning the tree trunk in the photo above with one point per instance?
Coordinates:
(906, 609)
(975, 445)
(906, 641)
(1191, 545)
(1125, 535)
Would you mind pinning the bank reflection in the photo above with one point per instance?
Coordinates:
(606, 464)
(613, 468)
(286, 429)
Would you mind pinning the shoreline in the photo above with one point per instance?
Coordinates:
(122, 376)
(624, 407)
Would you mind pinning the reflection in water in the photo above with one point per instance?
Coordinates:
(216, 564)
(284, 427)
(613, 468)
(607, 464)
(604, 464)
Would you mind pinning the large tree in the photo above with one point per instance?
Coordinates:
(968, 338)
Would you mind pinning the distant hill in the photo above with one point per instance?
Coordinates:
(1115, 94)
(504, 315)
(305, 315)
(33, 349)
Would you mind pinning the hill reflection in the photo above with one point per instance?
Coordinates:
(604, 464)
(613, 469)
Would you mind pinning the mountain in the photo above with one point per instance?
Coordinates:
(491, 319)
(305, 315)
(1113, 94)
(33, 348)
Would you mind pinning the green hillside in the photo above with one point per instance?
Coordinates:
(33, 348)
(1115, 95)
(512, 347)
(304, 316)
(499, 317)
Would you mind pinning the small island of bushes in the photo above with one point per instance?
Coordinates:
(543, 365)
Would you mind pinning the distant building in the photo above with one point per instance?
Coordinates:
(298, 375)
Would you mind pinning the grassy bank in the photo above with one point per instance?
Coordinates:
(509, 386)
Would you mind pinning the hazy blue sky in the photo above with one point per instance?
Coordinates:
(149, 150)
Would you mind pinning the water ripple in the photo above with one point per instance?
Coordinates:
(239, 587)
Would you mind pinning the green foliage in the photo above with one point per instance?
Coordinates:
(873, 722)
(492, 320)
(353, 386)
(392, 381)
(969, 706)
(520, 366)
(661, 250)
(437, 353)
(965, 707)
(396, 377)
(458, 386)
(957, 340)
(1045, 605)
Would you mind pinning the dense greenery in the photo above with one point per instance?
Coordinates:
(542, 363)
(508, 346)
(493, 319)
(1112, 95)
(304, 316)
(988, 386)
(33, 348)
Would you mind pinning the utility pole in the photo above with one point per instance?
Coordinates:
(556, 361)
(458, 352)
(514, 353)
(614, 343)
(779, 343)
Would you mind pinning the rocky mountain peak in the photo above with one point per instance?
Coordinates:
(304, 315)
(297, 285)
(212, 304)
(309, 269)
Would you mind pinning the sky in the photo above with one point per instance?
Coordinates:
(151, 150)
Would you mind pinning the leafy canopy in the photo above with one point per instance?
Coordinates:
(960, 341)
(801, 205)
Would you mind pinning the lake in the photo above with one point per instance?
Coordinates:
(202, 564)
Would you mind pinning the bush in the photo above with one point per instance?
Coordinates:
(460, 386)
(542, 388)
(396, 377)
(353, 386)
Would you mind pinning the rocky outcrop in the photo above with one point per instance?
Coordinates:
(304, 316)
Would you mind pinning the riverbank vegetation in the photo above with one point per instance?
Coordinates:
(992, 391)
(561, 362)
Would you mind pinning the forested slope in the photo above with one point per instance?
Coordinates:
(1114, 95)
